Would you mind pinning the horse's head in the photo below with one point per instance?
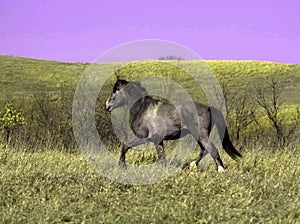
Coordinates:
(118, 96)
(124, 93)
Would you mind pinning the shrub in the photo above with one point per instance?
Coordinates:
(10, 120)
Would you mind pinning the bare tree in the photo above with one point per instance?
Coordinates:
(244, 113)
(269, 98)
(241, 109)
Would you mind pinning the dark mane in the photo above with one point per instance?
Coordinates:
(142, 105)
(135, 89)
(143, 102)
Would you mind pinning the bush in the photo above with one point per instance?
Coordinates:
(10, 120)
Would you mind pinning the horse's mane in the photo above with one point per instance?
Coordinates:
(142, 105)
(144, 101)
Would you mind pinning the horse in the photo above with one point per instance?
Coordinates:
(145, 122)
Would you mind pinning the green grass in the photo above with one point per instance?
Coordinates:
(56, 187)
(19, 76)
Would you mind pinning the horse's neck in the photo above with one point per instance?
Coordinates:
(139, 107)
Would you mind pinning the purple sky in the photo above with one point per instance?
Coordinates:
(215, 29)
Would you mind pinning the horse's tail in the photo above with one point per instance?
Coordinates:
(217, 118)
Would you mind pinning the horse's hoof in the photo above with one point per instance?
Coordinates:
(193, 165)
(221, 169)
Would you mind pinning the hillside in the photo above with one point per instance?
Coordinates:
(43, 91)
(22, 76)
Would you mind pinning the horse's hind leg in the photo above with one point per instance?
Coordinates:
(201, 155)
(211, 148)
(203, 151)
(202, 137)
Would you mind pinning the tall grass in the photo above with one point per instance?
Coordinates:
(56, 187)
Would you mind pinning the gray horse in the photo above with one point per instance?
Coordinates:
(146, 114)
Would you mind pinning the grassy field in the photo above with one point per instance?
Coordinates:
(50, 185)
(56, 187)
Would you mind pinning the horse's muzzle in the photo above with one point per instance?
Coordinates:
(108, 108)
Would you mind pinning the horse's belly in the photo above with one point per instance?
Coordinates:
(176, 134)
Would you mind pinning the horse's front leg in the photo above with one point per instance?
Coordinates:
(161, 153)
(134, 141)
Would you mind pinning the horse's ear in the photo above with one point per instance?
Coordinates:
(117, 74)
